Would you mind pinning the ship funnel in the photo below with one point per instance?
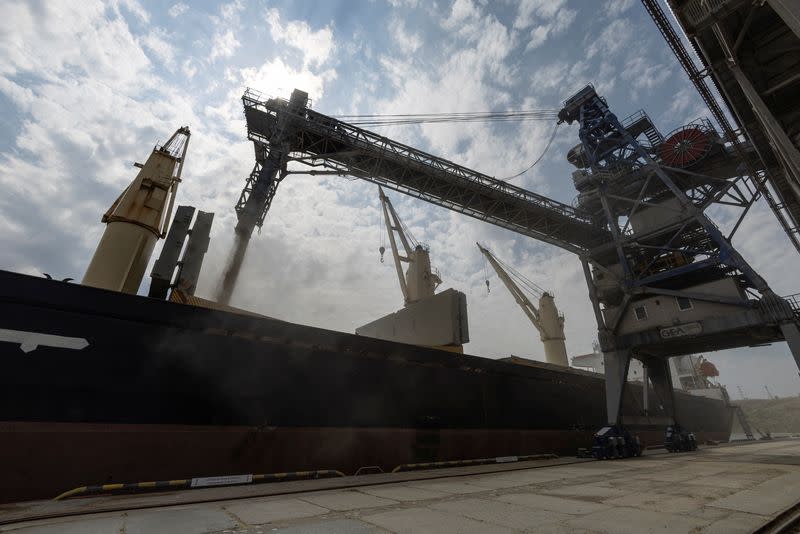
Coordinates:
(138, 218)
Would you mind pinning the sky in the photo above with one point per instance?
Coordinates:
(87, 88)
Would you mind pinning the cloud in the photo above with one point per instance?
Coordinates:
(279, 78)
(560, 22)
(178, 9)
(611, 40)
(60, 48)
(134, 7)
(409, 43)
(156, 41)
(615, 8)
(224, 42)
(189, 68)
(642, 73)
(403, 3)
(316, 46)
(542, 19)
(461, 11)
(529, 11)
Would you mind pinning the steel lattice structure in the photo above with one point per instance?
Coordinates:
(639, 229)
(763, 169)
(324, 142)
(666, 247)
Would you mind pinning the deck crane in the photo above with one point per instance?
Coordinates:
(546, 318)
(427, 318)
(419, 281)
(139, 218)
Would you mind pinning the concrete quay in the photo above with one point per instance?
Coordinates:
(725, 489)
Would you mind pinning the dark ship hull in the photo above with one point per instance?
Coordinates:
(166, 390)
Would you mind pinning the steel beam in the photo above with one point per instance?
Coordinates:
(791, 332)
(164, 267)
(787, 152)
(616, 363)
(196, 248)
(789, 11)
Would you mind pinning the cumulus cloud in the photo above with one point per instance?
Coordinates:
(316, 46)
(556, 26)
(407, 41)
(529, 11)
(542, 19)
(157, 42)
(461, 11)
(178, 9)
(224, 42)
(613, 38)
(133, 7)
(643, 74)
(189, 68)
(615, 8)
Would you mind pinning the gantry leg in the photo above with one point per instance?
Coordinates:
(616, 369)
(791, 333)
(661, 378)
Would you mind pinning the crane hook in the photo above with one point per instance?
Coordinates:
(488, 290)
(382, 250)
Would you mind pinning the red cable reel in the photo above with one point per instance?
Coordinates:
(685, 146)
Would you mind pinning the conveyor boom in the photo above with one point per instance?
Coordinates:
(322, 141)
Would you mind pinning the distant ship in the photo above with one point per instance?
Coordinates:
(692, 373)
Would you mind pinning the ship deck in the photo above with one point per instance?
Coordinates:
(740, 487)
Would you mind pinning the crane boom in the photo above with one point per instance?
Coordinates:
(393, 224)
(522, 299)
(545, 318)
(419, 282)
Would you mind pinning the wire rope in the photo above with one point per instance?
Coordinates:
(522, 280)
(532, 165)
(432, 118)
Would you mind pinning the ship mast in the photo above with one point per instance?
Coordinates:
(546, 318)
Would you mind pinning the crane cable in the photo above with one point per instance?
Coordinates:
(532, 165)
(478, 116)
(381, 228)
(433, 118)
(486, 276)
(532, 287)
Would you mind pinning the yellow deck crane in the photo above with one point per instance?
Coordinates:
(419, 281)
(139, 218)
(429, 319)
(546, 318)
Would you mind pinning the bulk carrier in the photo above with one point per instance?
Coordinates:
(102, 385)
